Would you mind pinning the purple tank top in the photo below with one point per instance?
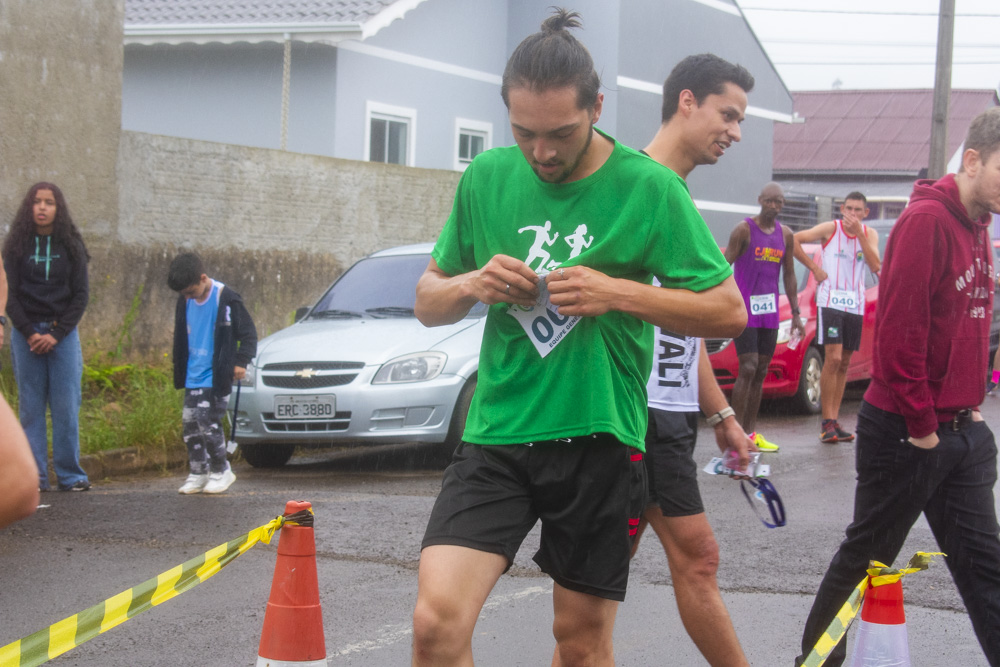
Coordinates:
(757, 271)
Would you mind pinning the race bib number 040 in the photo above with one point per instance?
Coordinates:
(763, 304)
(545, 327)
(844, 299)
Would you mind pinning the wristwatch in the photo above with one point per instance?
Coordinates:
(717, 418)
(795, 311)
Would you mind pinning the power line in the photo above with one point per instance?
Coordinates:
(866, 43)
(861, 12)
(880, 63)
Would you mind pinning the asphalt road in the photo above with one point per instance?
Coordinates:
(371, 508)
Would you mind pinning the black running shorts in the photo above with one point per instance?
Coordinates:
(588, 493)
(671, 471)
(759, 340)
(835, 327)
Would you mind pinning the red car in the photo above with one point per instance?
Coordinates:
(795, 373)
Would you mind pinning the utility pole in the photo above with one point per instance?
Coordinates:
(942, 90)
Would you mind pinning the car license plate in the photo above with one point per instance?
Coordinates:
(304, 407)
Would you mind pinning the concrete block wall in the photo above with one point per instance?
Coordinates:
(278, 227)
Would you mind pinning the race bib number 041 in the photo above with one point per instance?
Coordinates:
(763, 304)
(545, 327)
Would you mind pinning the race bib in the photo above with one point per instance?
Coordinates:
(763, 304)
(545, 327)
(843, 299)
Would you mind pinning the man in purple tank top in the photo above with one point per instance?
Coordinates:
(759, 248)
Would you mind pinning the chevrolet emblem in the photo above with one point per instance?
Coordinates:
(306, 373)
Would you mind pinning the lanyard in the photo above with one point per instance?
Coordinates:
(768, 495)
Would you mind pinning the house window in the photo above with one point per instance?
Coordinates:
(472, 138)
(389, 136)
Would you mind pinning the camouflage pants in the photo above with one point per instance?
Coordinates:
(203, 433)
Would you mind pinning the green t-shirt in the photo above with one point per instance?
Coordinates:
(632, 218)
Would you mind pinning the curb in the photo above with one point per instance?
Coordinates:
(129, 461)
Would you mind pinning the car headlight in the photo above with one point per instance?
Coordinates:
(417, 367)
(784, 331)
(250, 377)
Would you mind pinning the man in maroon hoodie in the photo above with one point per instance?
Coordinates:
(922, 444)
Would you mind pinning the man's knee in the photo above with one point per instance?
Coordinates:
(832, 358)
(437, 632)
(582, 644)
(701, 556)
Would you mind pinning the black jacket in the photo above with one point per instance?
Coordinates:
(54, 291)
(235, 341)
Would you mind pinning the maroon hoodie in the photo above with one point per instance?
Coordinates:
(934, 310)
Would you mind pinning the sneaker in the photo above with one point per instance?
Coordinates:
(762, 444)
(220, 481)
(194, 484)
(842, 435)
(82, 485)
(829, 432)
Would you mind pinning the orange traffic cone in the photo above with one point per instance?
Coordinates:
(293, 623)
(880, 640)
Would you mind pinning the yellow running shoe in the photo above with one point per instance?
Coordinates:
(763, 445)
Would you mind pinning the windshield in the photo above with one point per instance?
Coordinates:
(382, 287)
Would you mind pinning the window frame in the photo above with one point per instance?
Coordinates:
(470, 127)
(391, 113)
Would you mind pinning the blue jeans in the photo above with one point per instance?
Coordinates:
(51, 380)
(952, 485)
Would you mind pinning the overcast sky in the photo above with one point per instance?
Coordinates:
(875, 43)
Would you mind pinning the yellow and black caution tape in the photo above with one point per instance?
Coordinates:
(878, 575)
(69, 633)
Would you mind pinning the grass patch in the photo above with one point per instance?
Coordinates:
(124, 404)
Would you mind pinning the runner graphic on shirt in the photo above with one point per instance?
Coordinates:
(578, 241)
(542, 239)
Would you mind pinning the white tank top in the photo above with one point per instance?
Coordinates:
(844, 263)
(673, 382)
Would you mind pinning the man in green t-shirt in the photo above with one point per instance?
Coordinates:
(561, 236)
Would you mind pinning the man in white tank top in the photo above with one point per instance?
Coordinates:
(848, 246)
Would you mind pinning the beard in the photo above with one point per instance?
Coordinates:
(563, 174)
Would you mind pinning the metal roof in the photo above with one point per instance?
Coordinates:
(866, 131)
(202, 21)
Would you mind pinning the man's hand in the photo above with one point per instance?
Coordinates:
(820, 274)
(577, 290)
(41, 343)
(927, 442)
(852, 225)
(798, 326)
(729, 435)
(239, 372)
(505, 279)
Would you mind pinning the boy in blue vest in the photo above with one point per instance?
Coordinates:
(214, 340)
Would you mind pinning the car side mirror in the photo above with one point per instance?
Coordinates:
(301, 312)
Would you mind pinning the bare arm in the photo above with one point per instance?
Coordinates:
(444, 299)
(3, 298)
(788, 275)
(869, 248)
(717, 311)
(739, 239)
(821, 233)
(18, 471)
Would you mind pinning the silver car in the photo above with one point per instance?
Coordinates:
(359, 368)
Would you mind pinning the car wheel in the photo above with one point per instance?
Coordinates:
(459, 416)
(807, 396)
(267, 456)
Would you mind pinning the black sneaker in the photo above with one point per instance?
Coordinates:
(828, 434)
(82, 485)
(842, 435)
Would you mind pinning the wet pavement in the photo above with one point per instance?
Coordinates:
(371, 507)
